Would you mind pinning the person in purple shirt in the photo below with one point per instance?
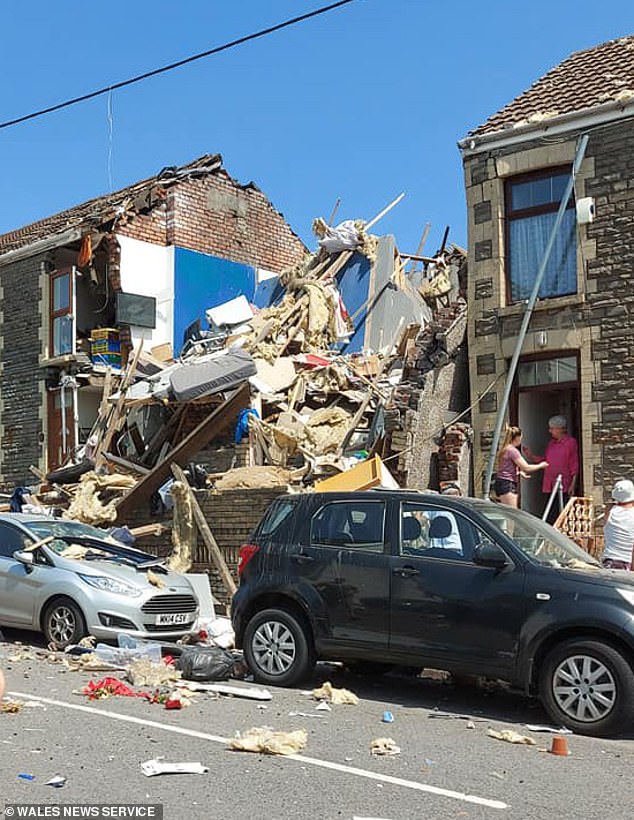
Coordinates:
(562, 455)
(510, 465)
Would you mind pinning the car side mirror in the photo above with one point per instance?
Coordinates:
(489, 554)
(24, 557)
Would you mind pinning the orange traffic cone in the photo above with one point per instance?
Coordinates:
(559, 746)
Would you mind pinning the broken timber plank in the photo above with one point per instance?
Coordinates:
(148, 529)
(115, 416)
(185, 451)
(206, 534)
(125, 465)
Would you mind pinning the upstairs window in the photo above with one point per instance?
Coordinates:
(61, 341)
(532, 203)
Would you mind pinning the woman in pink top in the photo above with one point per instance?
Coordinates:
(510, 465)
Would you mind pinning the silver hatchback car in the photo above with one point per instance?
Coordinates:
(82, 582)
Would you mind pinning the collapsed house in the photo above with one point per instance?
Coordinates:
(82, 288)
(352, 374)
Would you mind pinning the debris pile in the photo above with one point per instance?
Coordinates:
(318, 389)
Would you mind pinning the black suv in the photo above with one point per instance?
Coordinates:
(460, 584)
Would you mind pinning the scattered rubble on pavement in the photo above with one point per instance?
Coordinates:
(267, 741)
(327, 692)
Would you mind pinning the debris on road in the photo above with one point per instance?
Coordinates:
(454, 716)
(145, 673)
(322, 706)
(327, 692)
(267, 741)
(510, 736)
(11, 707)
(158, 766)
(534, 727)
(388, 717)
(384, 746)
(207, 663)
(110, 687)
(250, 692)
(57, 781)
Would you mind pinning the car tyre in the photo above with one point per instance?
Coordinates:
(63, 623)
(277, 648)
(588, 686)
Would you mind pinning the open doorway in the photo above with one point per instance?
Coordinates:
(545, 386)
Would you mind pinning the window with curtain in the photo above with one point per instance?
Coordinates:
(532, 203)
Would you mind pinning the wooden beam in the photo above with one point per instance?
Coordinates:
(125, 465)
(117, 413)
(207, 535)
(185, 451)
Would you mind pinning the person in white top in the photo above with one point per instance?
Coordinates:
(619, 527)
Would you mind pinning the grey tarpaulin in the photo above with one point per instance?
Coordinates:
(191, 381)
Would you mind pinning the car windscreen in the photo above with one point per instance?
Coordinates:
(539, 541)
(65, 532)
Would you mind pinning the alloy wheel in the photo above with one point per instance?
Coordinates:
(584, 688)
(62, 624)
(273, 647)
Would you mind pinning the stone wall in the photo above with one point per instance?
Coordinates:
(22, 397)
(596, 323)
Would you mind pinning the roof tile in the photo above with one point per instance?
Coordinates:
(585, 79)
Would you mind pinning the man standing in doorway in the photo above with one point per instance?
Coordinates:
(562, 455)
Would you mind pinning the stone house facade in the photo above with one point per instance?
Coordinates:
(577, 358)
(60, 279)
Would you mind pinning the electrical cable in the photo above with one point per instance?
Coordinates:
(139, 77)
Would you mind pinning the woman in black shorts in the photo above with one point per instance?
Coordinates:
(510, 465)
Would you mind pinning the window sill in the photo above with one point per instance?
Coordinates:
(65, 360)
(552, 303)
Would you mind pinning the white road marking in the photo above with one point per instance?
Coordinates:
(312, 761)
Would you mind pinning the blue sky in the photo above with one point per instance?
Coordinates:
(361, 103)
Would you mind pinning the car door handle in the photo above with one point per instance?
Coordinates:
(302, 557)
(405, 572)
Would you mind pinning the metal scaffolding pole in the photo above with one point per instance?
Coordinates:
(581, 150)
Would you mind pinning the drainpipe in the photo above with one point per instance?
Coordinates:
(581, 150)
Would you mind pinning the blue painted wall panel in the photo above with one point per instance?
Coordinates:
(202, 282)
(353, 283)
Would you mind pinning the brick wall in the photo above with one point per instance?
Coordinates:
(231, 514)
(21, 411)
(216, 215)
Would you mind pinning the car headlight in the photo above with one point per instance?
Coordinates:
(627, 595)
(107, 584)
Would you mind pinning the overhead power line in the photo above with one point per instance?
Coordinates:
(225, 47)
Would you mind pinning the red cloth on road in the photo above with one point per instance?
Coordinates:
(104, 688)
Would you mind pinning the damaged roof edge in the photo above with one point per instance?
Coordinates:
(590, 117)
(100, 209)
(41, 246)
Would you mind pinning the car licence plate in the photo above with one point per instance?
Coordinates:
(173, 618)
